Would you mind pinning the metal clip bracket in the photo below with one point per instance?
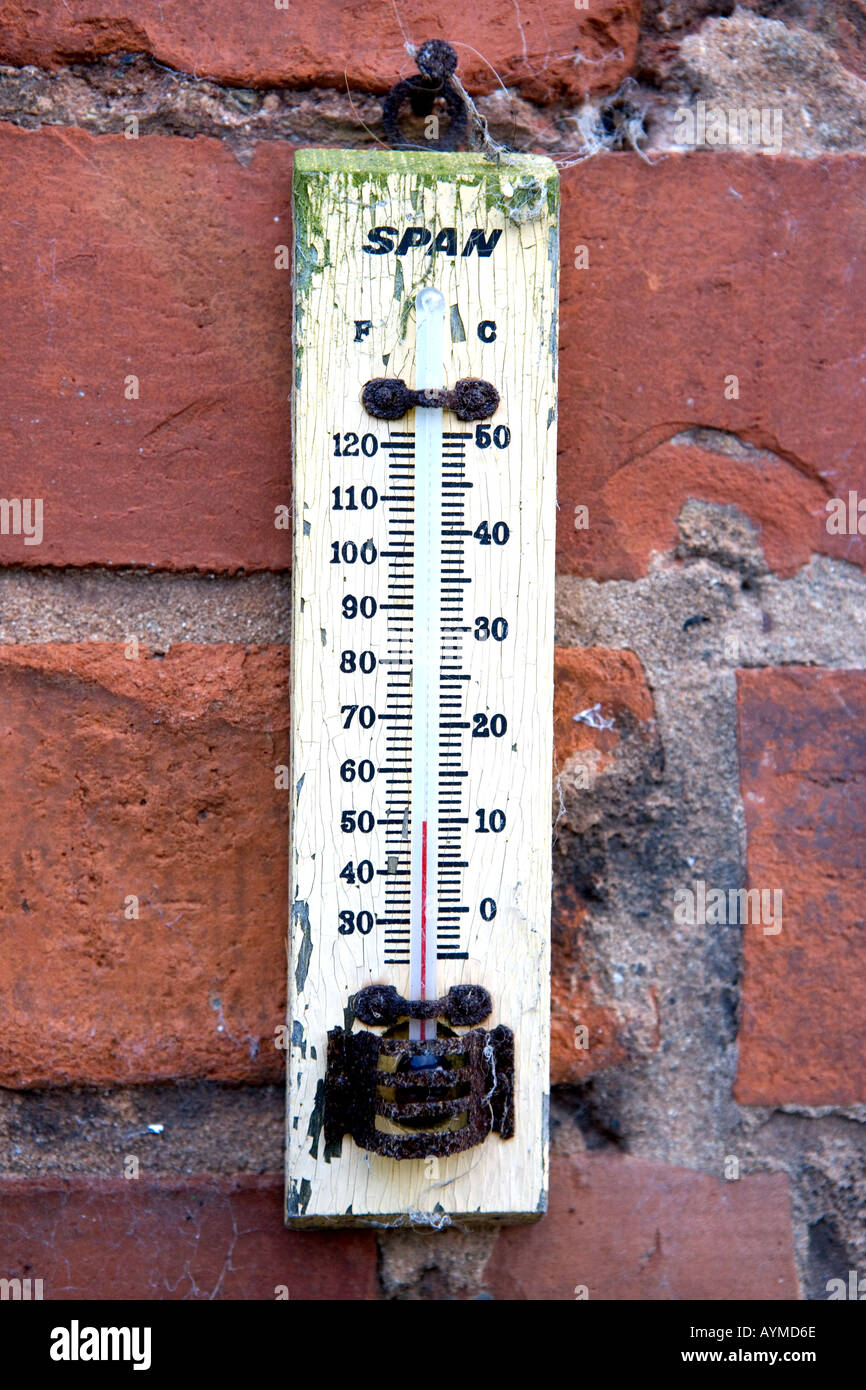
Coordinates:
(436, 62)
(435, 1097)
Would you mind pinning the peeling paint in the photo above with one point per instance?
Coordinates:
(301, 913)
(317, 1119)
(298, 1198)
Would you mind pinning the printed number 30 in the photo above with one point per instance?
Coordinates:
(484, 628)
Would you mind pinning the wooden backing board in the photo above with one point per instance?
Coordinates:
(355, 320)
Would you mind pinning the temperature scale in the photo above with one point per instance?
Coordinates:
(422, 685)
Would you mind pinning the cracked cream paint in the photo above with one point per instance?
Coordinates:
(339, 197)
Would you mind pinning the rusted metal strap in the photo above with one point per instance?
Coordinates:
(462, 1007)
(354, 1086)
(389, 398)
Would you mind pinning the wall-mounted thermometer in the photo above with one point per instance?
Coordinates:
(424, 493)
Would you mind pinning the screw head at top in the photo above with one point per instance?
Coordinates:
(386, 398)
(377, 1004)
(436, 59)
(473, 399)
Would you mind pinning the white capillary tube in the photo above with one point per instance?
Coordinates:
(426, 658)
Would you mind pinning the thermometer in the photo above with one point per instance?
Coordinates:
(424, 411)
(428, 640)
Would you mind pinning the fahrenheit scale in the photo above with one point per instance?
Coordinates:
(424, 490)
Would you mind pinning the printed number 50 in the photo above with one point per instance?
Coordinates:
(484, 436)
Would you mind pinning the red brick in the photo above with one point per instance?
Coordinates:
(186, 1238)
(586, 676)
(616, 1032)
(645, 495)
(631, 1230)
(152, 777)
(803, 780)
(577, 1002)
(549, 52)
(155, 257)
(614, 680)
(626, 1228)
(701, 267)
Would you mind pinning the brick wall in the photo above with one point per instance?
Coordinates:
(708, 1128)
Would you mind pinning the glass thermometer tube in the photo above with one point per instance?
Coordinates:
(426, 658)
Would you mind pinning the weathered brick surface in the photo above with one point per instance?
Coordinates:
(623, 1227)
(155, 778)
(584, 755)
(152, 258)
(546, 51)
(628, 1229)
(588, 676)
(589, 1030)
(188, 1238)
(698, 268)
(803, 777)
(839, 23)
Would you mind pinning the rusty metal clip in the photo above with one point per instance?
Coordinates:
(389, 398)
(436, 62)
(463, 1005)
(413, 1099)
